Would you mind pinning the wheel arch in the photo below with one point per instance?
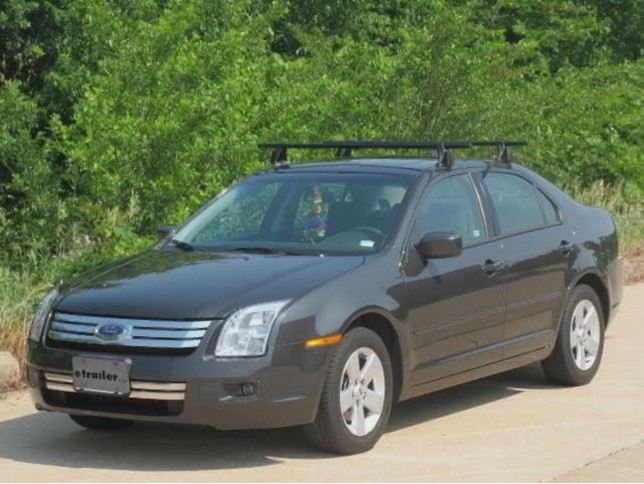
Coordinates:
(594, 280)
(383, 324)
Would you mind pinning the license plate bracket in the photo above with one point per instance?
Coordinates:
(104, 376)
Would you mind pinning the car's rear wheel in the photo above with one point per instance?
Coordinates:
(580, 343)
(356, 397)
(100, 423)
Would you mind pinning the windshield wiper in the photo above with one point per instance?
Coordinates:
(255, 250)
(182, 245)
(266, 250)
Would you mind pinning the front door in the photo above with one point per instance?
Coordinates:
(456, 305)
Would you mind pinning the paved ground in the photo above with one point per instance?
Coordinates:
(9, 370)
(513, 427)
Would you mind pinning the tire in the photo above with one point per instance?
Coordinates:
(100, 423)
(342, 433)
(563, 365)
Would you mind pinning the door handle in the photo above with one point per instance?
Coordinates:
(490, 267)
(566, 247)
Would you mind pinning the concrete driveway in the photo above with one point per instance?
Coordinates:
(512, 427)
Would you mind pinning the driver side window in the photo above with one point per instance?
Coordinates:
(451, 205)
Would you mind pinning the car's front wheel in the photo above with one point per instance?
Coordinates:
(580, 343)
(100, 423)
(356, 397)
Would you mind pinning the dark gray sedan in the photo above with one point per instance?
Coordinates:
(319, 294)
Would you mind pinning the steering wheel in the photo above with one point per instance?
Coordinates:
(377, 234)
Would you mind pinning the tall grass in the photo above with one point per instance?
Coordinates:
(23, 285)
(18, 292)
(625, 203)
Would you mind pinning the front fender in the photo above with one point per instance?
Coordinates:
(332, 308)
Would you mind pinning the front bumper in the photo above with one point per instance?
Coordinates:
(200, 390)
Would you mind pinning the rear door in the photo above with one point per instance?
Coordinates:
(528, 226)
(456, 306)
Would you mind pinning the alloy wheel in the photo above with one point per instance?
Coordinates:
(584, 334)
(362, 391)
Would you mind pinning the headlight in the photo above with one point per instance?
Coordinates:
(41, 315)
(246, 331)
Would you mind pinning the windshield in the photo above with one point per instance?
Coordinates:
(312, 213)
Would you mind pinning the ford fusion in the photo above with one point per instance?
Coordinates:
(319, 294)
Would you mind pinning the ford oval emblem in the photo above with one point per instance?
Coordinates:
(111, 331)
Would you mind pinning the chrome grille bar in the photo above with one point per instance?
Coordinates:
(141, 333)
(73, 328)
(58, 377)
(157, 386)
(140, 323)
(142, 390)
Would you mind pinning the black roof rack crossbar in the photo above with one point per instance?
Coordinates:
(344, 149)
(503, 151)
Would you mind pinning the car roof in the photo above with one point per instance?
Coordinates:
(400, 165)
(414, 166)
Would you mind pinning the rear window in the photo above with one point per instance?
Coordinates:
(515, 202)
(550, 210)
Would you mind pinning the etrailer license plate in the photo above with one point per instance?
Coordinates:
(106, 376)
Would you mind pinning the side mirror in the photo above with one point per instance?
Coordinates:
(167, 230)
(440, 245)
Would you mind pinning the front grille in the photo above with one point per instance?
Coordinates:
(86, 332)
(145, 398)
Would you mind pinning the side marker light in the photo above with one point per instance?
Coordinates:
(323, 341)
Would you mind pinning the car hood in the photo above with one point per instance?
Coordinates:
(196, 285)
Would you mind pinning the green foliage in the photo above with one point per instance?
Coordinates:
(624, 19)
(29, 204)
(553, 33)
(584, 125)
(168, 116)
(118, 116)
(28, 41)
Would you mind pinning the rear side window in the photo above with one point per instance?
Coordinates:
(549, 208)
(515, 202)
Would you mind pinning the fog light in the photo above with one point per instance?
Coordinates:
(248, 389)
